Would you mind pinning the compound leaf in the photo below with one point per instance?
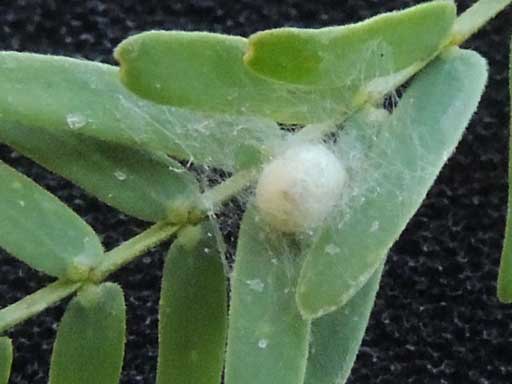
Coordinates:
(193, 309)
(352, 55)
(268, 339)
(5, 359)
(205, 72)
(336, 337)
(149, 186)
(406, 156)
(90, 340)
(63, 94)
(38, 229)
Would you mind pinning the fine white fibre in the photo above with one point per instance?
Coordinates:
(298, 189)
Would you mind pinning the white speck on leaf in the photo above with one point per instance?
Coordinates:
(332, 249)
(177, 170)
(262, 343)
(256, 285)
(76, 120)
(120, 175)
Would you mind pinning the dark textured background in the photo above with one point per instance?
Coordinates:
(436, 318)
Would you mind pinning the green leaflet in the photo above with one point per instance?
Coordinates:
(193, 310)
(268, 339)
(38, 229)
(205, 72)
(5, 359)
(391, 180)
(90, 340)
(62, 94)
(149, 186)
(505, 271)
(336, 337)
(352, 55)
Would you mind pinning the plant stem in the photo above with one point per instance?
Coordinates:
(475, 17)
(131, 249)
(118, 257)
(214, 197)
(35, 303)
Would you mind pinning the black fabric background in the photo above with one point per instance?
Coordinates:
(436, 319)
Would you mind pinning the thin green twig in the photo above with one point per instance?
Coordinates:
(131, 249)
(35, 303)
(475, 17)
(214, 197)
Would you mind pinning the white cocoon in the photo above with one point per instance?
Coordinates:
(298, 189)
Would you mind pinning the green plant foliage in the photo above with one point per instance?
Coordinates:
(139, 138)
(190, 69)
(352, 55)
(407, 155)
(336, 337)
(193, 309)
(38, 229)
(505, 272)
(5, 359)
(268, 339)
(62, 94)
(90, 340)
(149, 186)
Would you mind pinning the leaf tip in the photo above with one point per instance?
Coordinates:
(311, 309)
(126, 54)
(504, 287)
(504, 295)
(249, 54)
(6, 355)
(286, 54)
